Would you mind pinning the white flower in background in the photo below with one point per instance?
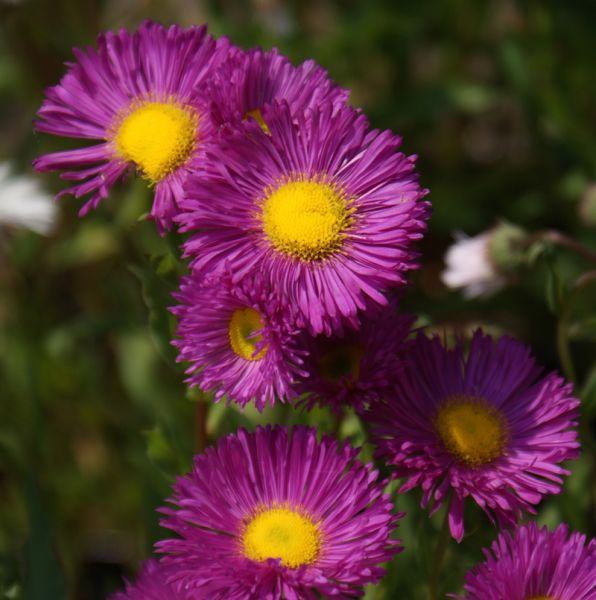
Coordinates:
(482, 265)
(23, 203)
(469, 266)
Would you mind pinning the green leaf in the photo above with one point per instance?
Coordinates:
(43, 577)
(588, 394)
(157, 295)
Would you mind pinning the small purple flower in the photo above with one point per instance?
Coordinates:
(488, 426)
(359, 367)
(278, 514)
(139, 94)
(152, 584)
(325, 209)
(535, 564)
(239, 339)
(248, 81)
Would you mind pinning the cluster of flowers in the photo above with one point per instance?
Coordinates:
(301, 222)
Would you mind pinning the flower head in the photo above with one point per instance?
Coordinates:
(358, 367)
(248, 81)
(24, 204)
(139, 94)
(152, 584)
(278, 514)
(488, 426)
(533, 563)
(239, 339)
(326, 210)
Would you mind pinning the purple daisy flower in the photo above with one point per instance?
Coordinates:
(535, 564)
(488, 426)
(359, 367)
(327, 210)
(138, 94)
(248, 81)
(152, 584)
(275, 515)
(239, 339)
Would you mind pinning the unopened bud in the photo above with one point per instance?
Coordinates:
(507, 248)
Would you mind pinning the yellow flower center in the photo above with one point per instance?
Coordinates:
(306, 219)
(341, 361)
(473, 431)
(241, 329)
(157, 136)
(257, 115)
(282, 533)
(540, 598)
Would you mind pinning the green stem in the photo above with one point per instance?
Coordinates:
(560, 239)
(442, 542)
(563, 347)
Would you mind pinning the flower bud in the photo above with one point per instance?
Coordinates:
(507, 248)
(480, 265)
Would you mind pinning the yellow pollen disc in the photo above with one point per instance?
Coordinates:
(257, 115)
(242, 326)
(158, 137)
(284, 534)
(342, 361)
(306, 219)
(473, 431)
(540, 598)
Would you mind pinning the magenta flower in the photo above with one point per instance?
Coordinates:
(239, 339)
(535, 564)
(359, 367)
(248, 81)
(138, 95)
(278, 514)
(488, 426)
(152, 584)
(326, 210)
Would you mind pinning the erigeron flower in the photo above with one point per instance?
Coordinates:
(488, 426)
(533, 563)
(139, 96)
(239, 339)
(278, 514)
(359, 367)
(326, 210)
(248, 81)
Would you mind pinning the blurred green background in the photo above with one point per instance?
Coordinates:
(498, 100)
